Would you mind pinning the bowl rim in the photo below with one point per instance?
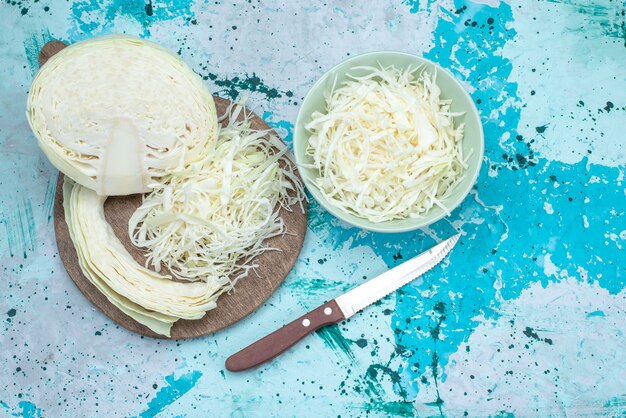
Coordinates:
(363, 223)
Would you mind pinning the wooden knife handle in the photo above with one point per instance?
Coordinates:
(280, 340)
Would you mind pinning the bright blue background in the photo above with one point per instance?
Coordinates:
(527, 315)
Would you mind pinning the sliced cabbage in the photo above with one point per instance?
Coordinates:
(114, 112)
(150, 298)
(208, 221)
(387, 147)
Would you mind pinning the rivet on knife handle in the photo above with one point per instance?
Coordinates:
(280, 340)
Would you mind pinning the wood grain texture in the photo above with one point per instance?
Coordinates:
(49, 50)
(248, 294)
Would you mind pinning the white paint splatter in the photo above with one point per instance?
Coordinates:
(535, 359)
(548, 208)
(549, 268)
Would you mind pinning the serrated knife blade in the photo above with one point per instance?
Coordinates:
(339, 309)
(374, 289)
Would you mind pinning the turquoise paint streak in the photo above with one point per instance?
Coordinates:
(32, 46)
(172, 392)
(29, 410)
(97, 17)
(418, 5)
(282, 127)
(20, 229)
(26, 409)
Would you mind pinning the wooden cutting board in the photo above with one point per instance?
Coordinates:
(248, 294)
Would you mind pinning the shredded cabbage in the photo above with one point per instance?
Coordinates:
(386, 148)
(208, 221)
(115, 111)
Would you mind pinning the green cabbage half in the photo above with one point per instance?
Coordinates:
(114, 112)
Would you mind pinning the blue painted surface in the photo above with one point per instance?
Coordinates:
(525, 318)
(176, 387)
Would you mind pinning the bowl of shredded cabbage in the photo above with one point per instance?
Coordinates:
(388, 142)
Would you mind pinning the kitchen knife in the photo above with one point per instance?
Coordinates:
(340, 308)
